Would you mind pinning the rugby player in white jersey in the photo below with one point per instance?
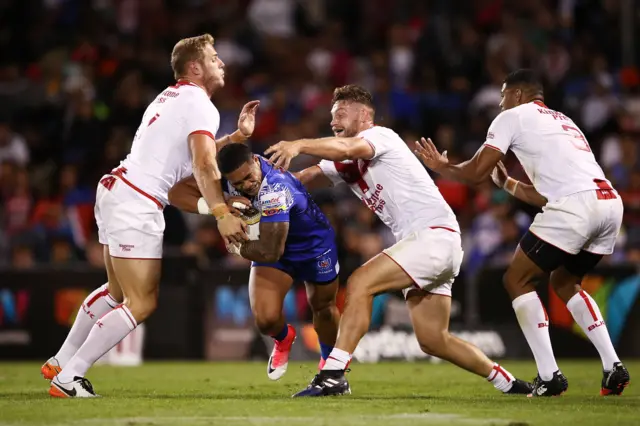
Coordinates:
(580, 220)
(383, 172)
(175, 139)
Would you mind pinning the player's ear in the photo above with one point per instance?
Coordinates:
(195, 67)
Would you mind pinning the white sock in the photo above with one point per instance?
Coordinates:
(534, 323)
(587, 315)
(337, 360)
(500, 378)
(107, 332)
(94, 306)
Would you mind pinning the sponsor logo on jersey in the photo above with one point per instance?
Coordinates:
(278, 201)
(375, 201)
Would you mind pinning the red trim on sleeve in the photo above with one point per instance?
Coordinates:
(203, 132)
(443, 227)
(373, 147)
(492, 147)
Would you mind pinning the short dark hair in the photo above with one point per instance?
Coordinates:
(233, 156)
(353, 93)
(524, 77)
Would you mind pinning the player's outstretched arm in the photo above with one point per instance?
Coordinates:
(331, 148)
(207, 176)
(313, 178)
(522, 191)
(472, 172)
(270, 247)
(246, 125)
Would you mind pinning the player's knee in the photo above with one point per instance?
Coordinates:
(434, 343)
(116, 292)
(511, 281)
(564, 284)
(141, 307)
(322, 308)
(267, 321)
(358, 286)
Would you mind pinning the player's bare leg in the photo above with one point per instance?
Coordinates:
(587, 315)
(430, 315)
(519, 281)
(326, 317)
(381, 274)
(97, 303)
(139, 280)
(267, 290)
(378, 275)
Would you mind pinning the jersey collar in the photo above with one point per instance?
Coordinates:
(184, 82)
(540, 104)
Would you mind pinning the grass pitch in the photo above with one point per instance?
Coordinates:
(234, 394)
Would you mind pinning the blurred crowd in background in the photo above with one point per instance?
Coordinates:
(77, 75)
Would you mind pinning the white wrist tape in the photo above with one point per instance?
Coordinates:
(234, 249)
(238, 205)
(510, 185)
(203, 208)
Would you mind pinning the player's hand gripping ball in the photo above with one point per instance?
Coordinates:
(250, 215)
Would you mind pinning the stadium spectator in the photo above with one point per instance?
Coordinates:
(73, 89)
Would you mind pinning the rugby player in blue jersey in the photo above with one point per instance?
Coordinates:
(296, 242)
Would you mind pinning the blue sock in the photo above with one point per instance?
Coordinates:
(283, 333)
(325, 350)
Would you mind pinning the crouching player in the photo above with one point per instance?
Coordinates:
(296, 242)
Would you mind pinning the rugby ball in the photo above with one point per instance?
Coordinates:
(251, 217)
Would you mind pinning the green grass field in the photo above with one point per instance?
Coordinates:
(233, 394)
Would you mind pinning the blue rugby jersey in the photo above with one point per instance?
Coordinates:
(283, 198)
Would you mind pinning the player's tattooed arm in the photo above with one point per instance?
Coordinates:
(270, 247)
(313, 178)
(472, 172)
(331, 148)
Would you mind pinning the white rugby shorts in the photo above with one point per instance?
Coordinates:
(582, 221)
(129, 221)
(431, 257)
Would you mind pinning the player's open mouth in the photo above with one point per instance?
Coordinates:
(338, 131)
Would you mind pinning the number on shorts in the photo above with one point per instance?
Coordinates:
(577, 138)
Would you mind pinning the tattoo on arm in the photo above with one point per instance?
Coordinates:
(270, 246)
